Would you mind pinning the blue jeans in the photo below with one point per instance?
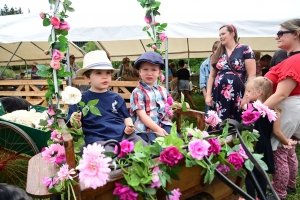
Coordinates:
(152, 135)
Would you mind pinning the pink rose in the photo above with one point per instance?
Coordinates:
(124, 192)
(56, 55)
(236, 160)
(205, 134)
(170, 156)
(215, 147)
(250, 117)
(55, 22)
(162, 36)
(64, 26)
(155, 180)
(223, 168)
(213, 118)
(242, 152)
(148, 19)
(198, 148)
(154, 47)
(126, 148)
(56, 136)
(162, 78)
(227, 94)
(55, 64)
(170, 100)
(175, 195)
(42, 15)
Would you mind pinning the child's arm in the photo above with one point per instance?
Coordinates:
(149, 122)
(277, 131)
(129, 129)
(179, 105)
(77, 118)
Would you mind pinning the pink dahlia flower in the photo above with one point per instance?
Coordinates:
(212, 119)
(64, 173)
(51, 153)
(93, 166)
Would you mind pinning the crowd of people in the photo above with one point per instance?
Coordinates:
(234, 76)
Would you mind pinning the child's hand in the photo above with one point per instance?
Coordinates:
(129, 129)
(161, 131)
(77, 118)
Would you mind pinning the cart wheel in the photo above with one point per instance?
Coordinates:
(201, 196)
(16, 148)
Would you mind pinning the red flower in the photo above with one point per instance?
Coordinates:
(170, 156)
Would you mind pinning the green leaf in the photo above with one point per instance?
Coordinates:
(81, 103)
(85, 110)
(43, 74)
(46, 22)
(202, 163)
(236, 141)
(138, 188)
(145, 28)
(138, 147)
(163, 25)
(134, 180)
(173, 174)
(64, 32)
(249, 165)
(62, 38)
(70, 9)
(95, 111)
(93, 102)
(43, 122)
(137, 168)
(150, 191)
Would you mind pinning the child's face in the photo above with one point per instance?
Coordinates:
(99, 80)
(149, 73)
(251, 94)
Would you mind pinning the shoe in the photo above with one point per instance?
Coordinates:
(291, 190)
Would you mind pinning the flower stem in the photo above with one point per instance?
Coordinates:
(73, 192)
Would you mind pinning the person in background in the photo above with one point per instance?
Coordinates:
(286, 80)
(264, 62)
(34, 72)
(125, 69)
(258, 66)
(184, 79)
(204, 72)
(278, 57)
(172, 66)
(135, 71)
(73, 66)
(226, 83)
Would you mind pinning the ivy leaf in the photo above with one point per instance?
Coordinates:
(64, 32)
(85, 110)
(94, 110)
(46, 22)
(62, 38)
(93, 102)
(150, 191)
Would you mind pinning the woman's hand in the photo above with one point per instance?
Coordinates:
(208, 100)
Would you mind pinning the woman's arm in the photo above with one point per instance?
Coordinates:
(212, 76)
(250, 66)
(277, 131)
(283, 90)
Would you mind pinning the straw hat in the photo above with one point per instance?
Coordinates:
(96, 60)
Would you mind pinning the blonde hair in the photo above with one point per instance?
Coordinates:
(293, 25)
(261, 84)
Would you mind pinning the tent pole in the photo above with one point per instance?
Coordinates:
(54, 70)
(166, 65)
(10, 59)
(68, 67)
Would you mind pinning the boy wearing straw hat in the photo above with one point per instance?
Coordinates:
(115, 122)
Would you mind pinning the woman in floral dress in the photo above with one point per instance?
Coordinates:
(226, 83)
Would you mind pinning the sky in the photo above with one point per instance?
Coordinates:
(35, 6)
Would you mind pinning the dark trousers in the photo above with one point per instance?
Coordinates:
(152, 135)
(250, 186)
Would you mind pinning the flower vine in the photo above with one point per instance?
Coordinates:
(154, 29)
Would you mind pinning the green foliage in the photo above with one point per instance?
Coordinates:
(8, 73)
(11, 11)
(90, 46)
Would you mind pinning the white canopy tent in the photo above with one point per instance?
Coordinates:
(116, 25)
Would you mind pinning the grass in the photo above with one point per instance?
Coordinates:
(200, 103)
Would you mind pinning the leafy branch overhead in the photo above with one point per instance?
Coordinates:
(154, 29)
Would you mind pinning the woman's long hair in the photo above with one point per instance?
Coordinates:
(221, 49)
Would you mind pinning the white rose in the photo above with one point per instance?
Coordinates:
(71, 95)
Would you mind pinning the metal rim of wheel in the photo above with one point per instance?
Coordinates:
(16, 148)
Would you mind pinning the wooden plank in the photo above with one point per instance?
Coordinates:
(20, 88)
(25, 82)
(23, 93)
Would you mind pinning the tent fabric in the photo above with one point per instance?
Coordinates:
(116, 25)
(29, 52)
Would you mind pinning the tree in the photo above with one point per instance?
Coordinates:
(11, 11)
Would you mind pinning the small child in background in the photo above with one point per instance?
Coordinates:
(148, 99)
(261, 88)
(115, 122)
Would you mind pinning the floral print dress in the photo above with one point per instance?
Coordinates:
(228, 90)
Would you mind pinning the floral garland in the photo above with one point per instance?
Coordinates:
(157, 33)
